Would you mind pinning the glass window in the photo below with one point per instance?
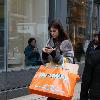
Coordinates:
(83, 21)
(27, 18)
(1, 34)
(76, 20)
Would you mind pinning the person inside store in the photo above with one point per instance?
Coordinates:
(32, 55)
(93, 45)
(58, 46)
(86, 43)
(79, 51)
(90, 86)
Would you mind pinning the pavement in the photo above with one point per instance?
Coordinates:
(39, 97)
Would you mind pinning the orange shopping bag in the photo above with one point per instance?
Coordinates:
(53, 82)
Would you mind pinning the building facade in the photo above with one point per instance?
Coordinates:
(22, 19)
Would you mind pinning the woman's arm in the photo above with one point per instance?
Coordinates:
(67, 50)
(57, 56)
(45, 57)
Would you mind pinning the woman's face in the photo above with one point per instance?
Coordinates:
(54, 32)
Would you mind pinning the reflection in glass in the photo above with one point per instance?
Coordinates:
(27, 18)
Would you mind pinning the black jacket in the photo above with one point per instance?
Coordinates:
(90, 87)
(92, 46)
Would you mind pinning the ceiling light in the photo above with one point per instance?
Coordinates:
(83, 2)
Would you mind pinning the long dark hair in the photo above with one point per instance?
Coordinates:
(57, 25)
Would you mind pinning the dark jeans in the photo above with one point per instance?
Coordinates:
(49, 98)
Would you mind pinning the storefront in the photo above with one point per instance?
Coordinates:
(22, 19)
(19, 20)
(82, 23)
(26, 18)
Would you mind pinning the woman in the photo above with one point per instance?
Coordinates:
(58, 46)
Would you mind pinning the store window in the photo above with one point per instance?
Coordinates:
(83, 23)
(2, 34)
(77, 20)
(27, 18)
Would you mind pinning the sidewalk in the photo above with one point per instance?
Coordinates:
(38, 97)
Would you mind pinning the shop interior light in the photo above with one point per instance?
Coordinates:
(83, 2)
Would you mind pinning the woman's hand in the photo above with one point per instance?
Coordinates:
(45, 49)
(48, 50)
